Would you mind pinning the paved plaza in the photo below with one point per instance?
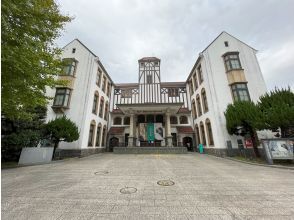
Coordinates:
(206, 187)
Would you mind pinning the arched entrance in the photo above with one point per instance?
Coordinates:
(188, 143)
(113, 142)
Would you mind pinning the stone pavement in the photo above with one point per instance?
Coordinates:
(205, 187)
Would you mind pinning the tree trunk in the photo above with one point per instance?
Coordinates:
(254, 138)
(55, 147)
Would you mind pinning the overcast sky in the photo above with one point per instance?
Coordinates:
(122, 31)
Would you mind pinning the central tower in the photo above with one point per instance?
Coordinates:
(149, 80)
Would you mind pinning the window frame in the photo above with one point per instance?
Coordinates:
(229, 60)
(173, 92)
(72, 64)
(236, 92)
(67, 93)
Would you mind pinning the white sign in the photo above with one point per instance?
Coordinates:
(280, 148)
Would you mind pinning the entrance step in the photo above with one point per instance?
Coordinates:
(149, 150)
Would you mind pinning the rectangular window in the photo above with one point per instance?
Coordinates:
(195, 81)
(62, 96)
(149, 78)
(108, 89)
(69, 67)
(240, 92)
(173, 92)
(232, 61)
(191, 87)
(101, 108)
(98, 76)
(200, 74)
(104, 84)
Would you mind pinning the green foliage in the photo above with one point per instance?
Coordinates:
(21, 133)
(277, 107)
(29, 55)
(243, 117)
(61, 129)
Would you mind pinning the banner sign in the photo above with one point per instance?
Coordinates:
(280, 148)
(158, 131)
(150, 132)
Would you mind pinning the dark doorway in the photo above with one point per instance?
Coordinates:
(126, 140)
(188, 143)
(113, 142)
(175, 140)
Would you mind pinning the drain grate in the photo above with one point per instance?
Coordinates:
(128, 190)
(102, 172)
(166, 183)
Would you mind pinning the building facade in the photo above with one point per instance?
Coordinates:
(152, 113)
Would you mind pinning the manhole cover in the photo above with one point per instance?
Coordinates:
(128, 190)
(165, 183)
(103, 172)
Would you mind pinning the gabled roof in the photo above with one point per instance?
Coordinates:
(199, 57)
(149, 59)
(224, 32)
(98, 60)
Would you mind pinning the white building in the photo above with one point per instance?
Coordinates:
(151, 113)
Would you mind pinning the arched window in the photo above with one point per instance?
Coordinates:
(173, 120)
(204, 100)
(106, 111)
(101, 107)
(197, 135)
(117, 121)
(127, 120)
(183, 119)
(95, 103)
(209, 132)
(91, 134)
(103, 136)
(203, 139)
(194, 112)
(98, 135)
(199, 109)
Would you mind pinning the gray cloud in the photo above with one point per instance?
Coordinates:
(120, 32)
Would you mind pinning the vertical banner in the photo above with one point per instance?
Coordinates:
(158, 131)
(150, 132)
(142, 132)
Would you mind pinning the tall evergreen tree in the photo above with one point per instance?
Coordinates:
(277, 107)
(29, 55)
(244, 118)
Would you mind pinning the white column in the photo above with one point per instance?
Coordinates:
(131, 136)
(168, 136)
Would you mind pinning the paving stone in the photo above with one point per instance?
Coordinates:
(205, 188)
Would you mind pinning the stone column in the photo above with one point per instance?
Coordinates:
(168, 136)
(131, 142)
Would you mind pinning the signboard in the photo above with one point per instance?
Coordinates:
(248, 143)
(279, 148)
(150, 132)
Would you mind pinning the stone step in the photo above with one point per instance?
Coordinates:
(149, 150)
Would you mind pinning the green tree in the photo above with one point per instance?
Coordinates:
(20, 133)
(244, 118)
(61, 129)
(29, 55)
(277, 107)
